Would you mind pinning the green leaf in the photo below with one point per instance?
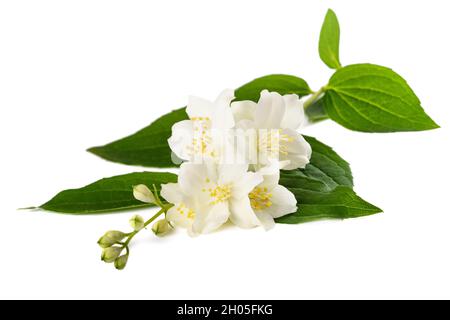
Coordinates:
(371, 98)
(339, 203)
(106, 195)
(281, 83)
(329, 41)
(326, 170)
(149, 147)
(324, 188)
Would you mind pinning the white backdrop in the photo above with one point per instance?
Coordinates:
(74, 74)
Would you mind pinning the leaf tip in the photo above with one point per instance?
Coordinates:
(93, 150)
(330, 12)
(28, 208)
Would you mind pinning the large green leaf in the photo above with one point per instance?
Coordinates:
(326, 170)
(339, 203)
(149, 147)
(371, 98)
(106, 195)
(324, 188)
(329, 41)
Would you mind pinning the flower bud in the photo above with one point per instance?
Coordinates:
(161, 227)
(109, 255)
(121, 262)
(137, 222)
(143, 194)
(110, 238)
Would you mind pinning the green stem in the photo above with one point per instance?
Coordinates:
(132, 234)
(314, 97)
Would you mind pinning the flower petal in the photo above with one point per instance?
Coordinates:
(222, 116)
(181, 220)
(211, 218)
(246, 183)
(181, 139)
(298, 150)
(242, 214)
(192, 177)
(171, 192)
(271, 174)
(243, 110)
(229, 173)
(294, 115)
(225, 97)
(283, 202)
(266, 220)
(270, 110)
(199, 107)
(296, 161)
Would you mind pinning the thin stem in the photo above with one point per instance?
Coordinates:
(132, 234)
(313, 98)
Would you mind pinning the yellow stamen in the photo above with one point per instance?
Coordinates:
(260, 198)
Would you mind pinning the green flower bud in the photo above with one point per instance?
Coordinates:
(109, 255)
(121, 262)
(137, 222)
(110, 238)
(143, 194)
(161, 227)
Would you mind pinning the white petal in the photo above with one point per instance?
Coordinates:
(225, 97)
(199, 107)
(171, 192)
(180, 220)
(143, 194)
(211, 219)
(243, 110)
(270, 110)
(266, 220)
(246, 183)
(283, 202)
(296, 161)
(181, 139)
(242, 214)
(295, 114)
(298, 150)
(271, 174)
(192, 178)
(228, 173)
(222, 117)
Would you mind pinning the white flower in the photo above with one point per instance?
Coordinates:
(274, 120)
(209, 194)
(270, 200)
(203, 136)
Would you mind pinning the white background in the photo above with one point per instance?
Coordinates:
(74, 74)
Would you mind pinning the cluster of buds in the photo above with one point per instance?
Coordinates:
(114, 243)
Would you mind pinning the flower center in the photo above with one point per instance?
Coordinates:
(273, 142)
(202, 139)
(218, 193)
(260, 198)
(182, 209)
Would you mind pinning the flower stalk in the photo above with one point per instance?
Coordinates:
(114, 242)
(314, 97)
